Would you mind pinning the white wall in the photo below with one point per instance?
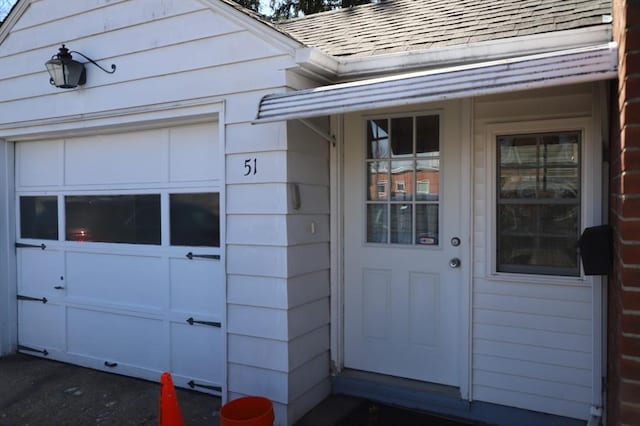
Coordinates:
(532, 337)
(171, 57)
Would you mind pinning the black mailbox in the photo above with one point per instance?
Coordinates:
(595, 250)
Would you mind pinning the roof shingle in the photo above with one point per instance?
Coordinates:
(403, 25)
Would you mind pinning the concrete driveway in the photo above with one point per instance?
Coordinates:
(35, 391)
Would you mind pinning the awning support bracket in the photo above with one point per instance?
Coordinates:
(324, 135)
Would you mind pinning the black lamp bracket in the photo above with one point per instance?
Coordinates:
(113, 66)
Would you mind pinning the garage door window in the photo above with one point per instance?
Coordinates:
(132, 219)
(195, 219)
(39, 217)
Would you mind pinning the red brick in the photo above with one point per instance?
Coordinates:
(629, 415)
(630, 346)
(630, 207)
(630, 324)
(629, 369)
(632, 13)
(633, 38)
(630, 392)
(630, 137)
(631, 159)
(632, 86)
(632, 62)
(631, 300)
(631, 278)
(630, 254)
(630, 113)
(629, 230)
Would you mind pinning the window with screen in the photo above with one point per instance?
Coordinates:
(538, 203)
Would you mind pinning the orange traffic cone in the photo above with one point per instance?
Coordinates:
(169, 409)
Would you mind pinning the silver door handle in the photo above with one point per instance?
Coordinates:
(454, 263)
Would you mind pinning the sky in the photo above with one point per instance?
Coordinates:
(5, 7)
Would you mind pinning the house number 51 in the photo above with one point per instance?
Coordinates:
(250, 166)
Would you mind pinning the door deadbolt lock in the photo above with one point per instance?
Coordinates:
(454, 263)
(455, 241)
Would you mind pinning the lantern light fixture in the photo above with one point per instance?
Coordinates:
(67, 73)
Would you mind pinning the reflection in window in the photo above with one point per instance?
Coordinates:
(39, 217)
(195, 219)
(403, 180)
(132, 219)
(538, 203)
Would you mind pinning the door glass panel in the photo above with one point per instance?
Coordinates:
(402, 137)
(132, 219)
(195, 219)
(401, 180)
(428, 135)
(403, 169)
(378, 139)
(39, 217)
(377, 223)
(427, 224)
(401, 223)
(377, 180)
(428, 179)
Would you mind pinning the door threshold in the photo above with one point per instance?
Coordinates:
(399, 391)
(437, 399)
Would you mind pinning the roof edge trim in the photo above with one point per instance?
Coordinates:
(11, 19)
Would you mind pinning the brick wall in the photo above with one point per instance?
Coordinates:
(623, 388)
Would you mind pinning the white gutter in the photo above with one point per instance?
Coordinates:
(312, 61)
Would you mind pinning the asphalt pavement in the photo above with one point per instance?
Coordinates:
(36, 391)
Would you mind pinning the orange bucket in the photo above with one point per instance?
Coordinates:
(247, 411)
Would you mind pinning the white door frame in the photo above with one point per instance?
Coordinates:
(337, 241)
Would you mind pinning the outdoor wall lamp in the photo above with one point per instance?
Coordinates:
(66, 73)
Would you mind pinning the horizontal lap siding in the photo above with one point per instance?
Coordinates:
(532, 341)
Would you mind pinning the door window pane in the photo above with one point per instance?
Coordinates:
(401, 223)
(377, 223)
(39, 217)
(403, 180)
(132, 219)
(539, 203)
(377, 178)
(195, 219)
(427, 224)
(377, 138)
(428, 135)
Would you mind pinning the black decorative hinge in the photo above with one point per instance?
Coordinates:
(33, 299)
(110, 364)
(28, 349)
(23, 245)
(190, 256)
(194, 385)
(191, 321)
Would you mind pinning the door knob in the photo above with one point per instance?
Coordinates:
(454, 263)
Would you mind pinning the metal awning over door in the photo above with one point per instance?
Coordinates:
(521, 73)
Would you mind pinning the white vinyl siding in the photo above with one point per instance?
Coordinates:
(533, 336)
(179, 55)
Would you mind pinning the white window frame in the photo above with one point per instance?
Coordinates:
(590, 174)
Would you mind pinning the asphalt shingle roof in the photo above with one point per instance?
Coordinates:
(403, 25)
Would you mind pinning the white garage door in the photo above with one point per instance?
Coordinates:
(118, 252)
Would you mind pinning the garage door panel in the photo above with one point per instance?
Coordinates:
(197, 352)
(141, 157)
(42, 325)
(126, 280)
(196, 287)
(190, 151)
(39, 163)
(40, 271)
(114, 337)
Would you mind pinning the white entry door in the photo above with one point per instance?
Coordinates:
(403, 247)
